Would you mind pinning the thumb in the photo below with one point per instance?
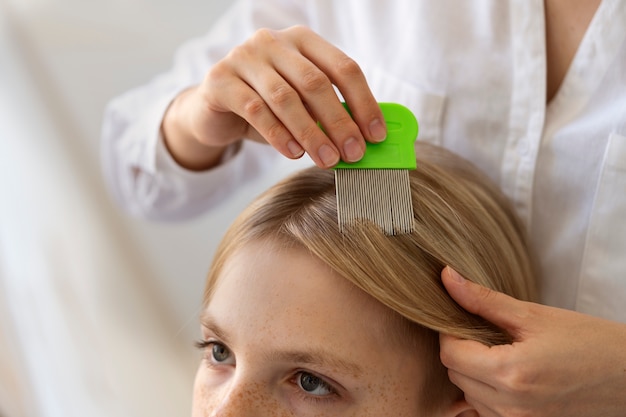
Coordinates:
(498, 308)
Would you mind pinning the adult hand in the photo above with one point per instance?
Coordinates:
(562, 363)
(275, 87)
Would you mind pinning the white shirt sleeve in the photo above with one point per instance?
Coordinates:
(139, 171)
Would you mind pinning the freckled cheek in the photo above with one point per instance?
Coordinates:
(393, 397)
(231, 401)
(208, 389)
(202, 398)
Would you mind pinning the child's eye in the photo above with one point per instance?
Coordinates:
(313, 385)
(216, 353)
(220, 352)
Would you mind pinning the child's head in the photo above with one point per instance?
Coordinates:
(303, 320)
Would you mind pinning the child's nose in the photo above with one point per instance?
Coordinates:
(244, 399)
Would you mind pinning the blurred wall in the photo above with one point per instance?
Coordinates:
(97, 310)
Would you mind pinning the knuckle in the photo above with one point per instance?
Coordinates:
(339, 123)
(218, 82)
(348, 67)
(217, 74)
(298, 30)
(238, 53)
(276, 133)
(453, 377)
(314, 81)
(446, 358)
(253, 108)
(486, 293)
(516, 381)
(484, 298)
(282, 95)
(263, 36)
(244, 52)
(307, 135)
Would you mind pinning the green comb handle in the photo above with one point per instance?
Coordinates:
(397, 151)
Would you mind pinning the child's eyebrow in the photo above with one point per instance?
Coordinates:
(320, 358)
(207, 321)
(314, 356)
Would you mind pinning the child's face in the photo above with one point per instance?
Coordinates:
(286, 336)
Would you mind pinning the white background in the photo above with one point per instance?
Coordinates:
(97, 310)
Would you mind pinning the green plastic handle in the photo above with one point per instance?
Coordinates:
(397, 151)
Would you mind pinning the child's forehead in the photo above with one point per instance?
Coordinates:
(268, 264)
(291, 283)
(290, 306)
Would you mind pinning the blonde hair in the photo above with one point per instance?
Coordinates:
(460, 219)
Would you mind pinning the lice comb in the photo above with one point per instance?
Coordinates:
(377, 187)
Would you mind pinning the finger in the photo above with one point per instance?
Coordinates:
(316, 90)
(471, 358)
(286, 105)
(483, 397)
(236, 96)
(270, 128)
(251, 63)
(346, 74)
(477, 394)
(474, 389)
(275, 110)
(487, 400)
(483, 410)
(498, 308)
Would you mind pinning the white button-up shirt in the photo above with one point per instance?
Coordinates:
(474, 74)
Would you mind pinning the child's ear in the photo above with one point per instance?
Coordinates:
(460, 408)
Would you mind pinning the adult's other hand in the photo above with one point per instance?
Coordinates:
(561, 363)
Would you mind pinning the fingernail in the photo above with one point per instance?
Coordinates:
(295, 149)
(328, 155)
(455, 276)
(378, 131)
(353, 150)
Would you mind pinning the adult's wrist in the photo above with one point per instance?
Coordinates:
(181, 143)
